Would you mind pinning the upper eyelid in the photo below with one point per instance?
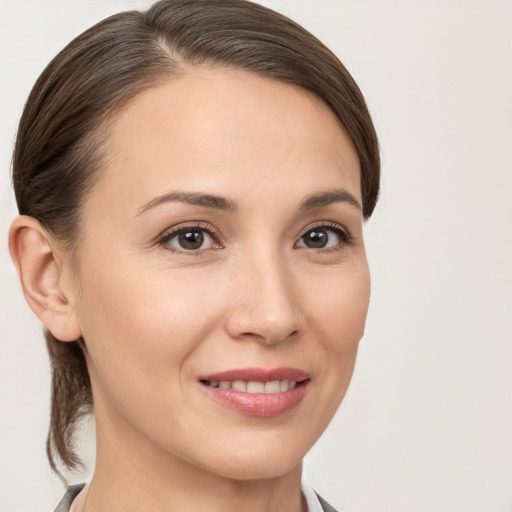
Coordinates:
(199, 225)
(326, 224)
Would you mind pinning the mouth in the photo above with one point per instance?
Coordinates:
(253, 386)
(258, 392)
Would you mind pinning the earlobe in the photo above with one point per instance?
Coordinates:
(34, 254)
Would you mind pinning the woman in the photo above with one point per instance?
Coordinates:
(192, 183)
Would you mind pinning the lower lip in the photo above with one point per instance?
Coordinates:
(264, 405)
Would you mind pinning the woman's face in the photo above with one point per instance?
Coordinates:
(223, 282)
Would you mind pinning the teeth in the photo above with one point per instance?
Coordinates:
(272, 387)
(239, 385)
(255, 387)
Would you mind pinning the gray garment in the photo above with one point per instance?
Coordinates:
(73, 490)
(325, 505)
(71, 494)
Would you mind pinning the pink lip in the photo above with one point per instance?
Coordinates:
(259, 404)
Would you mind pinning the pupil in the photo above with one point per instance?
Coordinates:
(191, 239)
(316, 239)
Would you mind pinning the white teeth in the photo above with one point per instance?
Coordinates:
(272, 387)
(239, 385)
(255, 387)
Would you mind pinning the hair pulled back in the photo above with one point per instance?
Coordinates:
(59, 145)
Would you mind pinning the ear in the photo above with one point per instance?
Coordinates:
(41, 269)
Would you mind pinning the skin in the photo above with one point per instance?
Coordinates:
(155, 316)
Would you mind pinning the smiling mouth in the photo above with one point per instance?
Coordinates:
(270, 387)
(256, 391)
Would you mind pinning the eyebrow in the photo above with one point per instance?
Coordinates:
(330, 197)
(193, 198)
(220, 203)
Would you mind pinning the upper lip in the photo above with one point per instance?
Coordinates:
(259, 375)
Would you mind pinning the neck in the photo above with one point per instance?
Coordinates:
(276, 495)
(133, 475)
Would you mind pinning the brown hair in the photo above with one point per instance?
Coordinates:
(57, 155)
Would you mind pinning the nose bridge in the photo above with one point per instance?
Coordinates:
(267, 307)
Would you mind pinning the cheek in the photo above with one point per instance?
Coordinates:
(140, 331)
(339, 316)
(339, 306)
(134, 301)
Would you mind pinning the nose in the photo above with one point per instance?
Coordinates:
(266, 304)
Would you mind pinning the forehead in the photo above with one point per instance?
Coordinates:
(227, 131)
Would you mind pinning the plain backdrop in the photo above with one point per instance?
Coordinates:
(427, 423)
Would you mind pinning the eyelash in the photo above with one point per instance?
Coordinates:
(340, 231)
(168, 235)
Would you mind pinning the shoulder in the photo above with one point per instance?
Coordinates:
(71, 493)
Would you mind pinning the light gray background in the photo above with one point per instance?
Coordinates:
(427, 423)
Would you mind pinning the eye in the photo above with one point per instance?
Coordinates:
(324, 237)
(189, 239)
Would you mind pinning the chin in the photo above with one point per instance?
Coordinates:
(258, 461)
(258, 470)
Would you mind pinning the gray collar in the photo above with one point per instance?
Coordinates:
(73, 490)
